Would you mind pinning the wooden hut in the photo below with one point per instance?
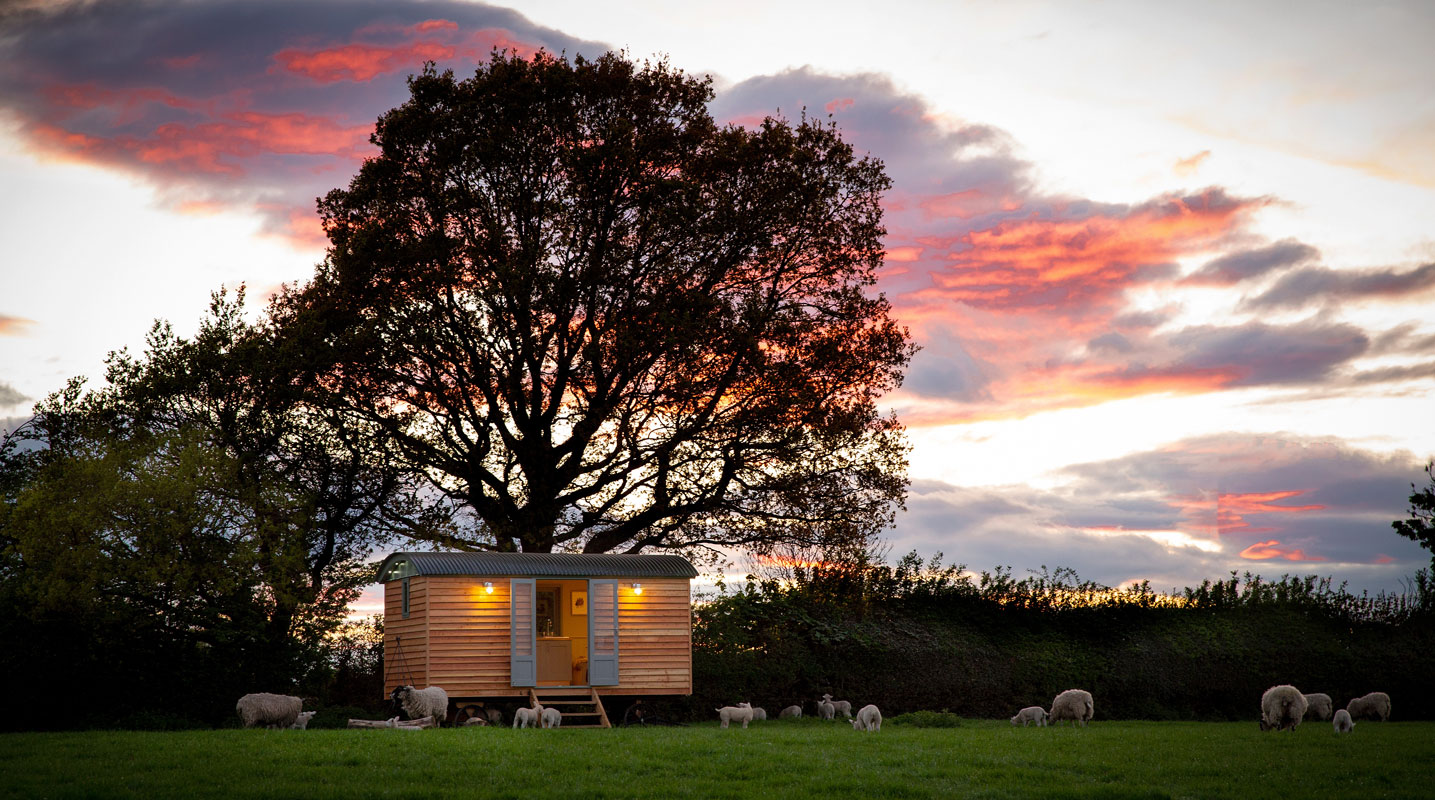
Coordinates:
(495, 625)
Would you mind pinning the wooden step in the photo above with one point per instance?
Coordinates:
(569, 697)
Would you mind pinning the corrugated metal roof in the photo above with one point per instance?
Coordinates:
(543, 565)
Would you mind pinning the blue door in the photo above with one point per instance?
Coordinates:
(523, 660)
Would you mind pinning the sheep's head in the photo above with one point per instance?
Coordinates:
(401, 694)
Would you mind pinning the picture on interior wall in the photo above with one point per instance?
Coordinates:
(580, 603)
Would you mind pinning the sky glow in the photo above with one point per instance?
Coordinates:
(1172, 269)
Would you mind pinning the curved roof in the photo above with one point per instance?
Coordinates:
(542, 565)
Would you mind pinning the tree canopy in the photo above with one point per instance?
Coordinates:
(596, 320)
(1421, 524)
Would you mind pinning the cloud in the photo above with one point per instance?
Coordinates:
(1191, 510)
(10, 396)
(256, 106)
(15, 326)
(1233, 268)
(1187, 166)
(1323, 285)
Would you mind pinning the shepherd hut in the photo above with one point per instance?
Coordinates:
(494, 625)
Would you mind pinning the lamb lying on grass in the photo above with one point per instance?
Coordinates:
(791, 712)
(742, 712)
(1073, 704)
(269, 710)
(1342, 723)
(868, 719)
(1029, 715)
(419, 703)
(1318, 706)
(1282, 708)
(1375, 705)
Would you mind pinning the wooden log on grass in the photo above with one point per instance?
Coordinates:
(395, 722)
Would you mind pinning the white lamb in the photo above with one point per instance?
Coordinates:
(1342, 722)
(1030, 714)
(420, 703)
(302, 722)
(551, 717)
(1318, 706)
(826, 710)
(791, 712)
(843, 707)
(1073, 704)
(868, 719)
(742, 712)
(1282, 708)
(528, 717)
(759, 715)
(269, 710)
(1375, 705)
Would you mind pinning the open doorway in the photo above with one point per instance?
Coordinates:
(561, 621)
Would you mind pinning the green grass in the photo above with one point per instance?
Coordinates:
(786, 760)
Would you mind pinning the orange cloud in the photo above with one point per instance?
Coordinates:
(903, 254)
(15, 326)
(1186, 166)
(967, 204)
(1225, 513)
(1072, 263)
(1260, 551)
(361, 62)
(840, 104)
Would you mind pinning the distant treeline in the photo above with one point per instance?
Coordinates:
(927, 636)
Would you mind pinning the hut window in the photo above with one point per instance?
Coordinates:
(406, 598)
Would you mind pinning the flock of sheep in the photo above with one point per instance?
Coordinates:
(869, 718)
(1282, 708)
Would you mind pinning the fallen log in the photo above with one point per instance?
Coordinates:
(394, 722)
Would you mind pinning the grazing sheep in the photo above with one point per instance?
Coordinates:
(742, 712)
(826, 710)
(1030, 714)
(1317, 706)
(302, 721)
(551, 717)
(868, 719)
(269, 710)
(1375, 705)
(1342, 723)
(843, 707)
(791, 712)
(1073, 704)
(759, 715)
(527, 717)
(1282, 708)
(420, 703)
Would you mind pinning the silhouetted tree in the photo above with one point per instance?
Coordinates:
(1421, 524)
(599, 321)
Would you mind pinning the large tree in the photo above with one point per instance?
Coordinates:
(599, 321)
(1421, 524)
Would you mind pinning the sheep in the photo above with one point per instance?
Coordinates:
(742, 712)
(1073, 704)
(1030, 714)
(791, 712)
(551, 717)
(302, 722)
(420, 703)
(826, 710)
(843, 707)
(1317, 706)
(868, 719)
(269, 710)
(528, 717)
(759, 715)
(1282, 708)
(1375, 705)
(1342, 723)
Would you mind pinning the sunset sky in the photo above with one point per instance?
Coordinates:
(1172, 266)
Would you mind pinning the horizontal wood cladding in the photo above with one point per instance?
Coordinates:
(459, 633)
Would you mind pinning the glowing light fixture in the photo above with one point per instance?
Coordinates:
(488, 586)
(637, 588)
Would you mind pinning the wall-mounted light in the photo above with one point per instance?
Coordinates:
(488, 586)
(637, 588)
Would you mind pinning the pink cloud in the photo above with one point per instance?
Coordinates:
(1261, 551)
(840, 104)
(15, 326)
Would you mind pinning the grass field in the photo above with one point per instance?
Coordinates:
(774, 759)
